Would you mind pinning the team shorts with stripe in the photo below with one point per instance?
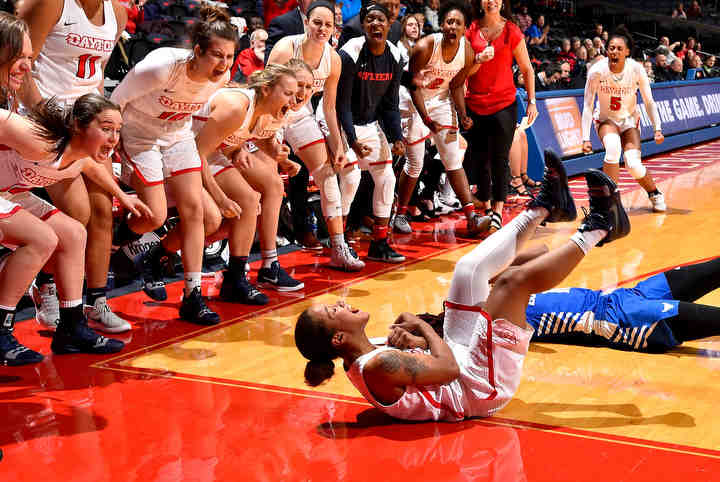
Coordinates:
(304, 132)
(629, 122)
(372, 136)
(12, 203)
(153, 163)
(490, 366)
(447, 140)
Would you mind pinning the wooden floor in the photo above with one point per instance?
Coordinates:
(580, 413)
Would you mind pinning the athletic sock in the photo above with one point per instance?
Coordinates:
(192, 280)
(71, 313)
(652, 193)
(268, 257)
(236, 266)
(44, 278)
(469, 210)
(124, 235)
(379, 232)
(337, 239)
(588, 239)
(7, 319)
(402, 210)
(93, 294)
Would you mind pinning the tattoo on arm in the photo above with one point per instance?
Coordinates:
(395, 362)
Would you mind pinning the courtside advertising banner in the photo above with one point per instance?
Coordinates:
(683, 106)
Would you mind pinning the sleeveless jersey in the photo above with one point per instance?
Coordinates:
(168, 96)
(70, 63)
(617, 93)
(265, 127)
(19, 174)
(439, 72)
(320, 75)
(436, 402)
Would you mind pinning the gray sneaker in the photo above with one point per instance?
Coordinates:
(101, 317)
(478, 225)
(344, 258)
(401, 224)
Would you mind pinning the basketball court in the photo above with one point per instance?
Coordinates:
(229, 402)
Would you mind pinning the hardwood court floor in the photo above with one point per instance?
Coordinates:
(228, 402)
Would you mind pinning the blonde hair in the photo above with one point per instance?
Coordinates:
(268, 77)
(296, 65)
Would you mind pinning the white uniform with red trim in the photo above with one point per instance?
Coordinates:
(18, 175)
(158, 99)
(439, 106)
(303, 129)
(490, 369)
(617, 97)
(265, 127)
(71, 61)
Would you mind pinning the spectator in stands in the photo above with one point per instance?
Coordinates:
(338, 24)
(566, 54)
(431, 15)
(661, 68)
(547, 78)
(604, 36)
(597, 31)
(575, 43)
(679, 12)
(250, 59)
(599, 45)
(649, 70)
(664, 41)
(709, 66)
(696, 63)
(490, 101)
(691, 44)
(350, 9)
(135, 14)
(254, 22)
(523, 19)
(588, 44)
(353, 28)
(564, 80)
(411, 34)
(290, 23)
(675, 72)
(414, 6)
(538, 32)
(695, 11)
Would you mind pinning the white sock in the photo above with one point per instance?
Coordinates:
(70, 303)
(589, 239)
(192, 280)
(268, 257)
(337, 239)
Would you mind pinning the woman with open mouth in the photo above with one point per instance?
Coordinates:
(53, 145)
(441, 63)
(368, 90)
(237, 133)
(616, 81)
(324, 158)
(158, 97)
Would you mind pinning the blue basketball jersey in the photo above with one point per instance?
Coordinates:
(627, 318)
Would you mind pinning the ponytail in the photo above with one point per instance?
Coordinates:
(56, 124)
(214, 21)
(314, 341)
(317, 372)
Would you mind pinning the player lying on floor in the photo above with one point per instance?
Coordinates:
(466, 373)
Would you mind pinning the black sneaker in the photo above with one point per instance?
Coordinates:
(277, 278)
(605, 202)
(478, 225)
(381, 251)
(194, 309)
(237, 289)
(80, 338)
(13, 354)
(151, 273)
(554, 192)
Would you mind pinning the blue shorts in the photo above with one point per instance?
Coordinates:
(627, 318)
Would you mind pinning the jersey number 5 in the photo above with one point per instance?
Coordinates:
(86, 66)
(615, 103)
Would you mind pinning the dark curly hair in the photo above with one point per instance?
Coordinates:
(314, 341)
(451, 5)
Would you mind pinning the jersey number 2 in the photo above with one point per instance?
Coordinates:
(615, 103)
(86, 66)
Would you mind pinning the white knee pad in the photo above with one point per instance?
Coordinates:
(349, 182)
(613, 148)
(384, 191)
(330, 199)
(634, 164)
(415, 156)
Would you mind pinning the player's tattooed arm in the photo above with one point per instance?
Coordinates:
(402, 368)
